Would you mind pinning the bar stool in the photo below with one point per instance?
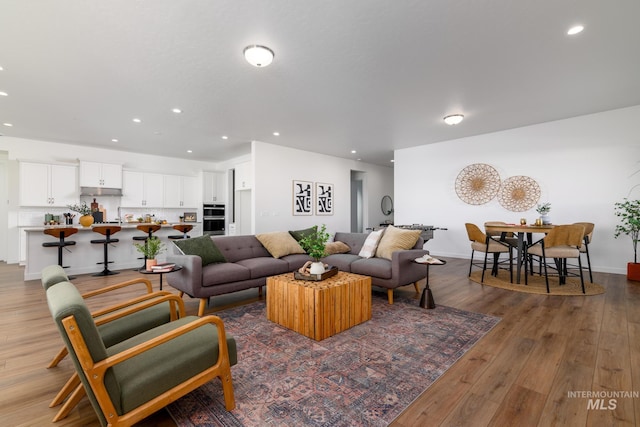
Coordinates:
(107, 231)
(61, 234)
(184, 229)
(149, 229)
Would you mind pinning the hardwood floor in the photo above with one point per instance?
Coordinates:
(521, 373)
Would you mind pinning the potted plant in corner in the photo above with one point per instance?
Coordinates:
(313, 244)
(544, 210)
(150, 249)
(629, 213)
(86, 219)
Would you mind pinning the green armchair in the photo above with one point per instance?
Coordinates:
(134, 378)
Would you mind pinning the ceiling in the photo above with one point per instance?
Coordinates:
(363, 75)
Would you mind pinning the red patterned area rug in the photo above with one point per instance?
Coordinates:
(364, 376)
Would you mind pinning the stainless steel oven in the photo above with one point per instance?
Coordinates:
(213, 219)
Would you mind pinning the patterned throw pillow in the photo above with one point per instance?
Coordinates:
(371, 244)
(280, 243)
(202, 246)
(396, 239)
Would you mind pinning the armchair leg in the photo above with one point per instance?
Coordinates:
(415, 284)
(61, 355)
(71, 403)
(202, 306)
(73, 382)
(390, 295)
(227, 390)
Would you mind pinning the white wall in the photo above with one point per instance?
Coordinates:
(583, 166)
(275, 167)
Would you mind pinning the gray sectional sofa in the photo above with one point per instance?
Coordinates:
(249, 263)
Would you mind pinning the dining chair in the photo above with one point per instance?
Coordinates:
(561, 243)
(486, 244)
(584, 247)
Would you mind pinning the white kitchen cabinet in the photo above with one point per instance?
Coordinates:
(244, 176)
(48, 185)
(142, 190)
(95, 174)
(214, 187)
(181, 192)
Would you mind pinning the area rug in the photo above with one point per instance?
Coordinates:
(364, 376)
(537, 284)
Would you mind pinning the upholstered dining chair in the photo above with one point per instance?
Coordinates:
(561, 243)
(584, 247)
(488, 245)
(130, 380)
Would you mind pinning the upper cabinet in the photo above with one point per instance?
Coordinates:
(244, 176)
(48, 185)
(142, 189)
(181, 191)
(214, 187)
(94, 174)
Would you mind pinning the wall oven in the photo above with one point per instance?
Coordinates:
(213, 218)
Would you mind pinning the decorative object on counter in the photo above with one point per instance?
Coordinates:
(68, 218)
(543, 210)
(190, 217)
(150, 249)
(477, 184)
(314, 244)
(628, 212)
(85, 213)
(94, 205)
(519, 193)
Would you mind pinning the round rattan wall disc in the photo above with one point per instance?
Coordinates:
(519, 193)
(477, 184)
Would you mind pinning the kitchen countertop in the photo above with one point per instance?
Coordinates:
(124, 225)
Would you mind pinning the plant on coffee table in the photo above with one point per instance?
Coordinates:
(314, 245)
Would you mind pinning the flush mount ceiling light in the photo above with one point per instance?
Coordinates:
(258, 56)
(575, 30)
(453, 119)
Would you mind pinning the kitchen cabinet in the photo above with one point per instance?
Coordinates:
(181, 192)
(142, 190)
(48, 185)
(214, 187)
(244, 176)
(95, 174)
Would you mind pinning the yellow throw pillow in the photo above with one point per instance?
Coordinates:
(280, 243)
(396, 239)
(336, 248)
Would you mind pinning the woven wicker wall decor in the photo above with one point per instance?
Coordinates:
(519, 193)
(477, 184)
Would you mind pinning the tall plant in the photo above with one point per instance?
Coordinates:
(629, 214)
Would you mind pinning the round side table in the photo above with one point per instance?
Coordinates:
(426, 300)
(161, 272)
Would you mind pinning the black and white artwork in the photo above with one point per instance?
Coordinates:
(324, 198)
(302, 198)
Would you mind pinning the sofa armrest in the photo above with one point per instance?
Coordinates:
(189, 279)
(403, 268)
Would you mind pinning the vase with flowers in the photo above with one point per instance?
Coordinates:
(86, 219)
(543, 210)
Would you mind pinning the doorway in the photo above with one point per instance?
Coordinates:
(357, 201)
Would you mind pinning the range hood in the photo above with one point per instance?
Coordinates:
(100, 191)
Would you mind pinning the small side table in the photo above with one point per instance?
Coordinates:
(426, 300)
(173, 270)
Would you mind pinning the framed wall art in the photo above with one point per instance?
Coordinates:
(302, 198)
(324, 198)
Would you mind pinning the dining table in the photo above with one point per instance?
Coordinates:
(520, 231)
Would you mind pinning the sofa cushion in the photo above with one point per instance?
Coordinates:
(217, 274)
(296, 261)
(202, 246)
(264, 266)
(371, 244)
(376, 267)
(280, 243)
(342, 261)
(336, 248)
(299, 234)
(396, 239)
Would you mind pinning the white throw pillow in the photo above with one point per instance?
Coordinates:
(371, 244)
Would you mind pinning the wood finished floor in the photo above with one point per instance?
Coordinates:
(519, 374)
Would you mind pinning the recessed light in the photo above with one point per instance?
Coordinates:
(114, 140)
(137, 120)
(225, 137)
(575, 30)
(4, 94)
(353, 151)
(1, 68)
(276, 134)
(189, 151)
(176, 110)
(258, 56)
(393, 161)
(453, 119)
(7, 125)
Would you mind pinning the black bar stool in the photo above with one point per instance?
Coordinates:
(106, 231)
(184, 229)
(149, 229)
(61, 233)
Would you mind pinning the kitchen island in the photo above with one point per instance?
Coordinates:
(84, 256)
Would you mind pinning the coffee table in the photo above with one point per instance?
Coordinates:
(321, 309)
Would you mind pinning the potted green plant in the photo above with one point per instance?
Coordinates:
(86, 219)
(314, 245)
(628, 212)
(150, 249)
(544, 210)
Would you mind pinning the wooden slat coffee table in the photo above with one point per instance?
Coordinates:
(319, 310)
